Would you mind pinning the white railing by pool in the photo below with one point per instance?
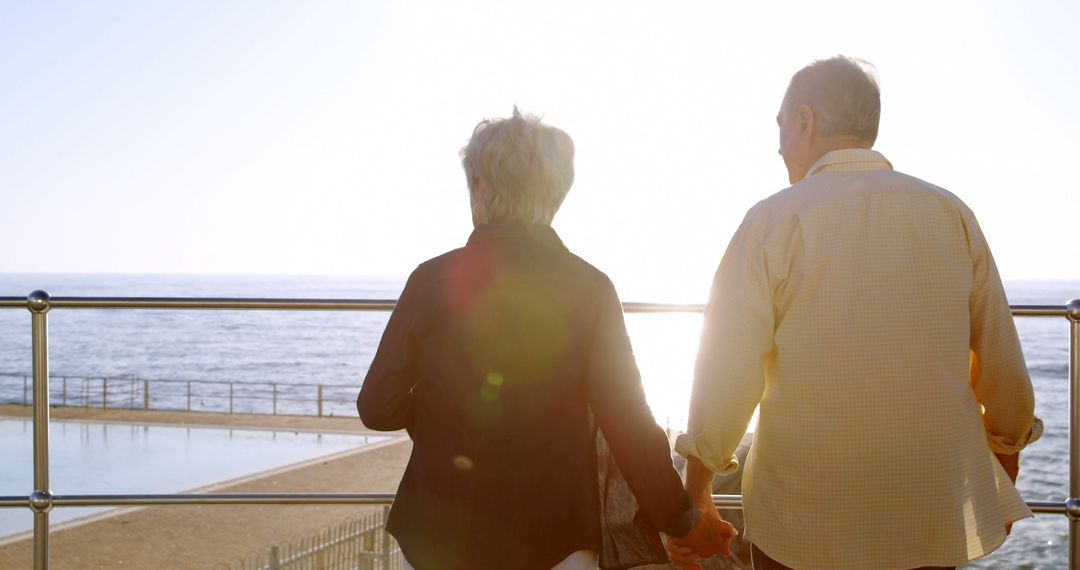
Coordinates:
(354, 544)
(173, 395)
(41, 500)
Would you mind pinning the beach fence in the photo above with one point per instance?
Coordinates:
(357, 544)
(131, 392)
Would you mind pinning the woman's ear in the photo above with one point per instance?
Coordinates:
(476, 201)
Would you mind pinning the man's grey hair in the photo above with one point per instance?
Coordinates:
(525, 167)
(843, 93)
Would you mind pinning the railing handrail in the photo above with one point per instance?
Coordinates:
(174, 499)
(275, 304)
(305, 304)
(217, 303)
(41, 500)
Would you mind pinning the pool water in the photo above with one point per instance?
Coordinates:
(113, 458)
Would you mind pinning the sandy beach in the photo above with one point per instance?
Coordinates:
(214, 536)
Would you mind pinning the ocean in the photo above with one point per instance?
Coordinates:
(283, 356)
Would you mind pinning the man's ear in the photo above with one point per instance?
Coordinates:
(806, 119)
(807, 124)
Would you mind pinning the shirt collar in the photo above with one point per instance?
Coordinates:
(849, 159)
(518, 233)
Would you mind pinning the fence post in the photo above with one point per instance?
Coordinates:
(275, 557)
(145, 394)
(230, 397)
(25, 401)
(41, 500)
(273, 388)
(64, 400)
(385, 539)
(189, 395)
(1072, 506)
(320, 400)
(104, 393)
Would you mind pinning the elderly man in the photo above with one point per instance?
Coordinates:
(861, 309)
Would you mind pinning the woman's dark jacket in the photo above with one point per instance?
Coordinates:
(501, 359)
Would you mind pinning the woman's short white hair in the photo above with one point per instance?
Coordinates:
(524, 167)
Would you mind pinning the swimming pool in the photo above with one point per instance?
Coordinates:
(110, 458)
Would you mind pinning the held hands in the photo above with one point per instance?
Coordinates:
(711, 535)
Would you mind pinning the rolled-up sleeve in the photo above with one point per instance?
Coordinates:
(999, 375)
(736, 341)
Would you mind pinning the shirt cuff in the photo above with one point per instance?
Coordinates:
(1005, 446)
(687, 446)
(681, 525)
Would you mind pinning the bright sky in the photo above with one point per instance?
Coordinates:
(322, 137)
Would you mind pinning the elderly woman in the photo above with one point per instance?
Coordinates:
(502, 359)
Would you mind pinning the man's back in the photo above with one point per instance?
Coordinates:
(862, 290)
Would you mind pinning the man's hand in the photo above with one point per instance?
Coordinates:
(1011, 464)
(682, 556)
(710, 536)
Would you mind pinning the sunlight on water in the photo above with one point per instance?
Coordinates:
(666, 346)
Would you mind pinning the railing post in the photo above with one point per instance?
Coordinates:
(64, 398)
(145, 394)
(386, 538)
(1072, 506)
(25, 391)
(230, 397)
(104, 393)
(320, 400)
(41, 498)
(189, 396)
(273, 388)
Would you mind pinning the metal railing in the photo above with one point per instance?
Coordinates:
(174, 395)
(41, 500)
